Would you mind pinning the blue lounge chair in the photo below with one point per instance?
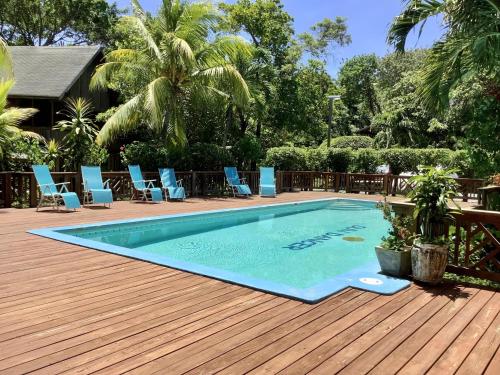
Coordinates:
(171, 186)
(94, 190)
(267, 185)
(238, 186)
(145, 188)
(53, 193)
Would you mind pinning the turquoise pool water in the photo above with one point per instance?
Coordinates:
(289, 247)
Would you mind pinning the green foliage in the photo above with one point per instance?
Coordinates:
(353, 141)
(326, 34)
(10, 117)
(339, 159)
(400, 159)
(357, 80)
(265, 21)
(366, 160)
(431, 193)
(198, 157)
(52, 152)
(79, 133)
(178, 62)
(479, 118)
(246, 150)
(470, 45)
(55, 22)
(315, 159)
(22, 153)
(400, 236)
(148, 155)
(461, 162)
(95, 155)
(208, 157)
(286, 158)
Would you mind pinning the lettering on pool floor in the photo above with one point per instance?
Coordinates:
(322, 238)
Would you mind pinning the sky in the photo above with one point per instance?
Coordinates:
(368, 22)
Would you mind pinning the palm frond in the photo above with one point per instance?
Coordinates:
(415, 12)
(13, 116)
(125, 119)
(157, 101)
(140, 26)
(228, 76)
(104, 73)
(6, 67)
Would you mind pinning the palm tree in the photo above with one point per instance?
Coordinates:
(10, 117)
(182, 60)
(257, 71)
(469, 47)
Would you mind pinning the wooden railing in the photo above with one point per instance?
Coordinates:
(475, 236)
(19, 188)
(476, 250)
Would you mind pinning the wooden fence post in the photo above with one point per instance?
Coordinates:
(33, 191)
(386, 184)
(193, 184)
(8, 190)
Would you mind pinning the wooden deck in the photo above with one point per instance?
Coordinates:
(66, 309)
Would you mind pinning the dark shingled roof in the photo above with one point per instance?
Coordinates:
(49, 72)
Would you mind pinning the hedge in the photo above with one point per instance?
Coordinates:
(354, 142)
(366, 160)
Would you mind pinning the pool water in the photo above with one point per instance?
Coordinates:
(301, 249)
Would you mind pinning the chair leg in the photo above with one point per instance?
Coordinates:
(40, 202)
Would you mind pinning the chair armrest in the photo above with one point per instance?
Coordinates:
(105, 184)
(243, 179)
(60, 183)
(179, 182)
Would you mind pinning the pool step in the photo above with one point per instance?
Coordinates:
(348, 207)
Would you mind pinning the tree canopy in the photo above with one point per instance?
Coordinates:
(55, 22)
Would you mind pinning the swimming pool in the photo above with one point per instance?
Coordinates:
(304, 250)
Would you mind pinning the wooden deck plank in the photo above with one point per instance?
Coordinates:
(64, 308)
(440, 308)
(460, 348)
(337, 352)
(485, 350)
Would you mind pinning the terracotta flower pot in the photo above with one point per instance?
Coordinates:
(394, 263)
(429, 262)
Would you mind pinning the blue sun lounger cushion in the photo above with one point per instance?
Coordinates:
(171, 185)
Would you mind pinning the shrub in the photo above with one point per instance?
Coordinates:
(207, 157)
(462, 162)
(149, 155)
(22, 153)
(366, 160)
(339, 159)
(434, 156)
(354, 142)
(315, 159)
(246, 150)
(286, 158)
(95, 155)
(400, 159)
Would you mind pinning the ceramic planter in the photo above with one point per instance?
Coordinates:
(394, 263)
(429, 262)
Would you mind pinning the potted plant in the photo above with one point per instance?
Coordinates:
(433, 190)
(394, 253)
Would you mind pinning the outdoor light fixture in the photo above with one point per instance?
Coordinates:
(331, 99)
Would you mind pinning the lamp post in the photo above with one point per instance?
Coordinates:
(331, 99)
